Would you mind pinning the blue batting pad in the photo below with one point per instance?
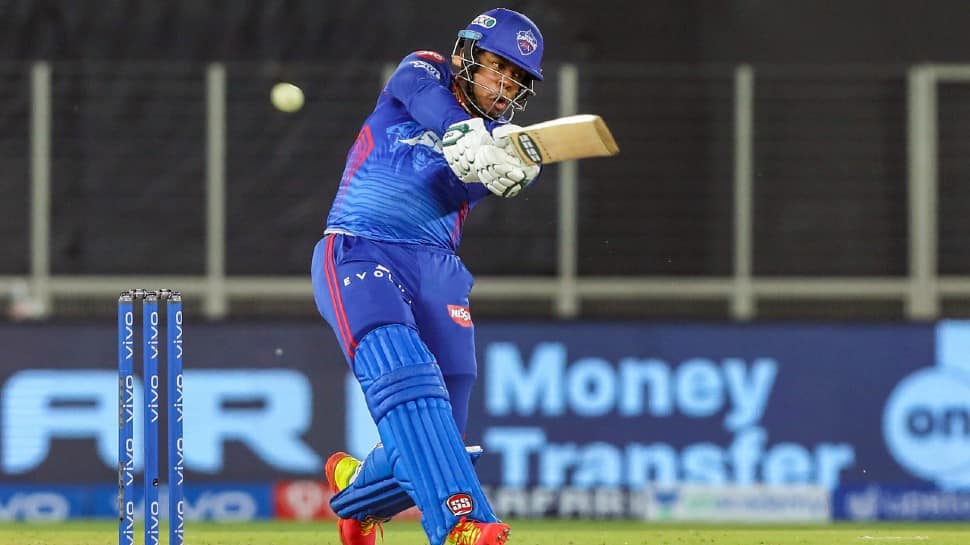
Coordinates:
(406, 395)
(375, 493)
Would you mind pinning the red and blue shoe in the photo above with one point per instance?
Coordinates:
(471, 532)
(341, 469)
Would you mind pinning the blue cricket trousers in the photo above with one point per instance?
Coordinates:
(360, 284)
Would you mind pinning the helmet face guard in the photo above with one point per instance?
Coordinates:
(516, 39)
(466, 53)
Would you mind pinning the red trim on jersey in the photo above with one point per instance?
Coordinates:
(460, 97)
(430, 55)
(459, 223)
(359, 151)
(330, 271)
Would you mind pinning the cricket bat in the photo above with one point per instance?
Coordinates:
(563, 139)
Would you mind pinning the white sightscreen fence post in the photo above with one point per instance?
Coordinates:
(40, 186)
(567, 295)
(215, 303)
(742, 296)
(923, 302)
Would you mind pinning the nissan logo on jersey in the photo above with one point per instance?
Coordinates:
(460, 315)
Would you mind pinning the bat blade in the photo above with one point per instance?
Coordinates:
(564, 139)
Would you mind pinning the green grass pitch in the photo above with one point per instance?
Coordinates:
(524, 532)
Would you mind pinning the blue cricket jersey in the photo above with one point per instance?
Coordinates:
(397, 185)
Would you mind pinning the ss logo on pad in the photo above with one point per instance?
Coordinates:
(459, 504)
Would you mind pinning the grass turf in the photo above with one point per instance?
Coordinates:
(524, 532)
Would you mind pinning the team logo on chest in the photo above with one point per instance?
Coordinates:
(427, 138)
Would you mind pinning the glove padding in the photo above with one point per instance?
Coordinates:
(461, 143)
(504, 174)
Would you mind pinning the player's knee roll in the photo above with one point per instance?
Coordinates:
(394, 366)
(410, 383)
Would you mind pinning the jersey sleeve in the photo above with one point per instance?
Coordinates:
(422, 82)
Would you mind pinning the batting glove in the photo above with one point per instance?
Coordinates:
(460, 145)
(504, 174)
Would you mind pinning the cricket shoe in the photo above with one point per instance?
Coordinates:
(341, 469)
(471, 532)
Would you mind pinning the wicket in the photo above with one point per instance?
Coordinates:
(150, 413)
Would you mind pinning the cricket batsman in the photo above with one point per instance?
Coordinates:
(388, 281)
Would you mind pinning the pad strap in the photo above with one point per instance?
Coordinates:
(375, 493)
(409, 383)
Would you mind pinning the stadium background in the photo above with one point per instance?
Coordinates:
(815, 260)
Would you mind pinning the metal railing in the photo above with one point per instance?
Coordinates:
(567, 290)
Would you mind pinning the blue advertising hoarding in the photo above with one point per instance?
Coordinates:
(882, 502)
(628, 404)
(261, 402)
(215, 501)
(558, 406)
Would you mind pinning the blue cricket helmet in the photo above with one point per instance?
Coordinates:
(509, 34)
